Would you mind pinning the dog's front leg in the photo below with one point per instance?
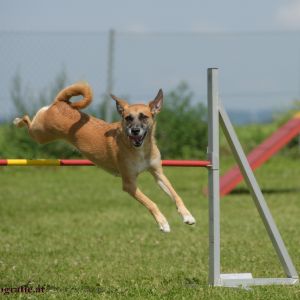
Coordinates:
(167, 187)
(129, 186)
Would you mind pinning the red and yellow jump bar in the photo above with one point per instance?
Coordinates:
(85, 162)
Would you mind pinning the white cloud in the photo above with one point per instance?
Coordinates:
(289, 14)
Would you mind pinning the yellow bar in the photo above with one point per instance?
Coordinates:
(33, 162)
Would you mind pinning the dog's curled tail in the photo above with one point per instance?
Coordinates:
(80, 88)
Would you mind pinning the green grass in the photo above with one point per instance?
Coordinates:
(73, 231)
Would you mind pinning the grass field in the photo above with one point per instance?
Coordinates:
(74, 232)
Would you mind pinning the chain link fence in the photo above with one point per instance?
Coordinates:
(260, 72)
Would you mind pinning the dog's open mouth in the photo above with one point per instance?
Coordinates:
(137, 140)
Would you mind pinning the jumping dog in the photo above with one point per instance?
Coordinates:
(125, 148)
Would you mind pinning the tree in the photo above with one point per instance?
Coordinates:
(26, 102)
(17, 143)
(182, 128)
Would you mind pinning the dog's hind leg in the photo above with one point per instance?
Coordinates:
(167, 187)
(129, 186)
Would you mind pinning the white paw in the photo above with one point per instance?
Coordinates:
(189, 219)
(165, 227)
(16, 121)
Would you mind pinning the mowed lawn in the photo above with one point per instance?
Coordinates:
(75, 232)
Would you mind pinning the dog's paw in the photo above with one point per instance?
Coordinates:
(189, 219)
(17, 121)
(165, 227)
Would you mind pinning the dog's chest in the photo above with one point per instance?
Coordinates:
(141, 162)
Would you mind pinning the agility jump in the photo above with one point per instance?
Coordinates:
(216, 116)
(86, 162)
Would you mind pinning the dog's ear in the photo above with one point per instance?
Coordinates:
(156, 104)
(120, 103)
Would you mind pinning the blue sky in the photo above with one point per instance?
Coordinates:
(154, 15)
(259, 71)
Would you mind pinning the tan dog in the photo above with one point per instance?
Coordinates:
(125, 148)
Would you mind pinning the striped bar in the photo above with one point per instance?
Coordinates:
(84, 162)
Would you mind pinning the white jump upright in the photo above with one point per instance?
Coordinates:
(218, 116)
(213, 177)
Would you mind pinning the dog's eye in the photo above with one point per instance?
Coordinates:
(129, 118)
(143, 117)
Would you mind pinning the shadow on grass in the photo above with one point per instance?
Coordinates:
(84, 288)
(241, 191)
(167, 284)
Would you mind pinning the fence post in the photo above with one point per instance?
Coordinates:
(110, 66)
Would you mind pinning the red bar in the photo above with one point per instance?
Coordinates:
(186, 163)
(76, 162)
(166, 163)
(3, 162)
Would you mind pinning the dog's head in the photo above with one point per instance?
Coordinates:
(138, 119)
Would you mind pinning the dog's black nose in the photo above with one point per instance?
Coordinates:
(135, 131)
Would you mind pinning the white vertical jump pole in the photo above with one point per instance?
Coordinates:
(218, 116)
(213, 177)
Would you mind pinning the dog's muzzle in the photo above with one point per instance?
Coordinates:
(137, 136)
